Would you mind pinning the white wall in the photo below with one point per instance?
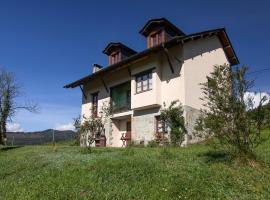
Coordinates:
(149, 98)
(200, 57)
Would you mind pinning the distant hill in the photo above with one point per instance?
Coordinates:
(40, 137)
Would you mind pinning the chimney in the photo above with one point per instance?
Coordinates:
(96, 68)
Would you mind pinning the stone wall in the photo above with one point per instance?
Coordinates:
(191, 115)
(143, 125)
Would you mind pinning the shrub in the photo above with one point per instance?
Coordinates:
(225, 116)
(173, 117)
(152, 144)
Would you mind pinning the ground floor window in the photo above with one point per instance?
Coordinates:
(161, 126)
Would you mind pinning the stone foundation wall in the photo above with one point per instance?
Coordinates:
(143, 125)
(191, 115)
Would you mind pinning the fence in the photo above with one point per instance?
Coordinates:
(39, 138)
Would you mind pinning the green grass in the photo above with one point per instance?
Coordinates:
(70, 172)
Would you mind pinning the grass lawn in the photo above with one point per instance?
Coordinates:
(69, 172)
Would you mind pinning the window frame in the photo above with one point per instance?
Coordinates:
(115, 57)
(94, 104)
(149, 80)
(155, 38)
(164, 125)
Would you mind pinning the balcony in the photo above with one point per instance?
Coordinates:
(121, 98)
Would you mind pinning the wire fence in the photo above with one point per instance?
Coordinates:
(14, 139)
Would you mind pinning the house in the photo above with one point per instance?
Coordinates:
(138, 83)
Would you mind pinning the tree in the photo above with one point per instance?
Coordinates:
(9, 92)
(173, 117)
(92, 127)
(225, 116)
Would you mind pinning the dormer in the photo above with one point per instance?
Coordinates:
(158, 31)
(117, 52)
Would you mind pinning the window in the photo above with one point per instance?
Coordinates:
(95, 104)
(144, 82)
(115, 57)
(155, 39)
(121, 97)
(161, 126)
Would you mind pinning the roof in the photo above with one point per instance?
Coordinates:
(112, 45)
(221, 33)
(160, 22)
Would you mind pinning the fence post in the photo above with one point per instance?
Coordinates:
(53, 138)
(12, 140)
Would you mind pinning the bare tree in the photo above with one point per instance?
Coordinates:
(9, 92)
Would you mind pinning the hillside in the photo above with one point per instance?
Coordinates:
(71, 172)
(40, 137)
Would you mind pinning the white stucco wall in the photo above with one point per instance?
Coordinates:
(172, 84)
(118, 128)
(149, 98)
(200, 57)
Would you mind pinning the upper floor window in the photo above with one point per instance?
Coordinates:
(144, 82)
(120, 97)
(115, 57)
(155, 39)
(95, 104)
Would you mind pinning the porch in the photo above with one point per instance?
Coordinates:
(121, 131)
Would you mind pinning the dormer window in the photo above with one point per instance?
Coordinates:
(156, 39)
(115, 57)
(117, 52)
(159, 30)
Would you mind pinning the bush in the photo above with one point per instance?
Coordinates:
(226, 115)
(173, 117)
(152, 144)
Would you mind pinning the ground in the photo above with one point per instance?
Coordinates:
(70, 172)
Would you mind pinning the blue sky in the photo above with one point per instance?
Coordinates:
(48, 43)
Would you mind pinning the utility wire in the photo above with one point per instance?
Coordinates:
(257, 71)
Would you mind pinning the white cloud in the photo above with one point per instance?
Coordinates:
(50, 116)
(64, 126)
(14, 127)
(256, 96)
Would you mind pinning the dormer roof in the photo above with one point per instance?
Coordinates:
(113, 46)
(163, 23)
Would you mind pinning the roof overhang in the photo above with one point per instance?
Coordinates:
(220, 33)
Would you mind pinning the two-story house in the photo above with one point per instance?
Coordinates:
(138, 83)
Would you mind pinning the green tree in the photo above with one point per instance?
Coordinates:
(173, 117)
(89, 128)
(225, 116)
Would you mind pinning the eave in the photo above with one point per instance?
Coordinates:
(220, 33)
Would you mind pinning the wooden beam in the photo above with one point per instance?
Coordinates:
(84, 95)
(129, 71)
(180, 61)
(168, 59)
(104, 84)
(233, 57)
